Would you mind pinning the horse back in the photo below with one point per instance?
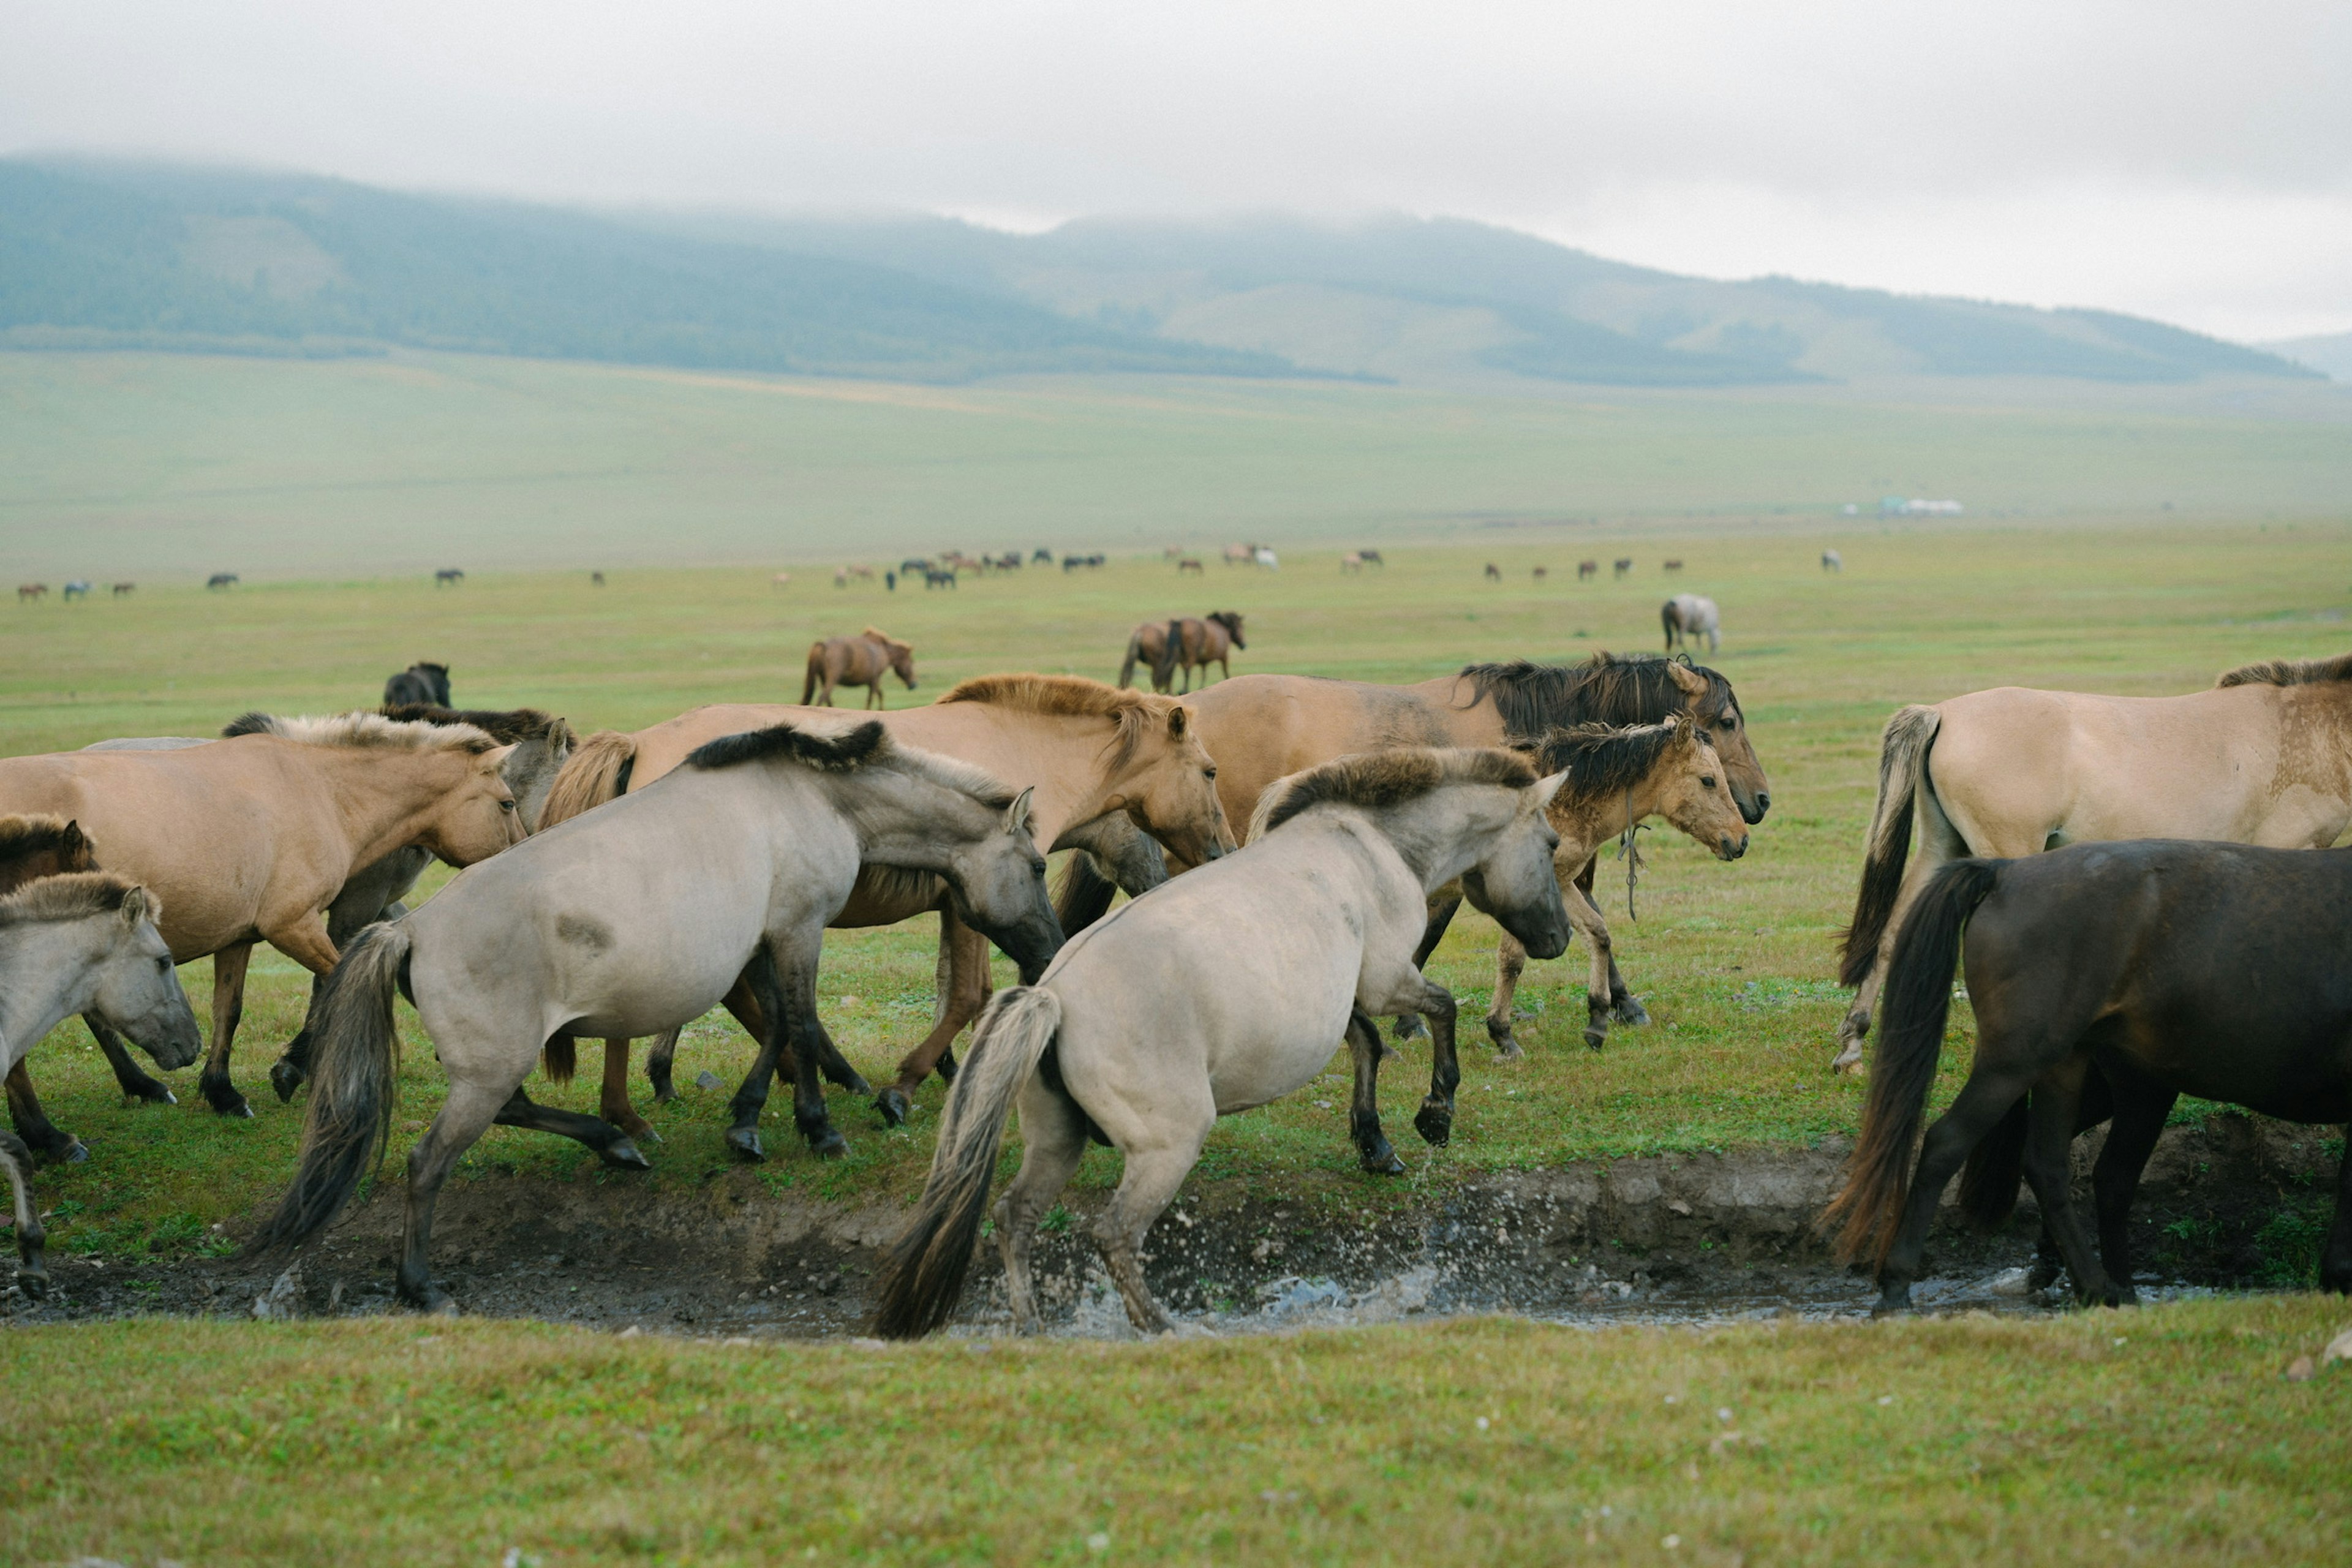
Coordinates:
(1258, 728)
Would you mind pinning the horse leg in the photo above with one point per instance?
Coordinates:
(962, 993)
(1982, 1102)
(1623, 1005)
(2335, 1261)
(1441, 915)
(33, 1125)
(1584, 915)
(658, 1058)
(1053, 1138)
(1372, 1147)
(1154, 1172)
(611, 1145)
(16, 1160)
(136, 1084)
(1435, 1122)
(228, 1006)
(292, 1068)
(1510, 962)
(745, 1005)
(2049, 1133)
(612, 1102)
(2141, 1106)
(787, 994)
(465, 1116)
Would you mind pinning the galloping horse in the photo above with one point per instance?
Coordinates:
(1689, 617)
(862, 660)
(2264, 757)
(2171, 968)
(421, 685)
(1223, 991)
(251, 839)
(1096, 757)
(636, 918)
(1188, 645)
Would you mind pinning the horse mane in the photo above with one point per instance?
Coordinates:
(861, 746)
(1076, 695)
(1534, 699)
(365, 730)
(70, 896)
(1602, 760)
(1229, 619)
(509, 726)
(1378, 779)
(2289, 672)
(32, 835)
(876, 634)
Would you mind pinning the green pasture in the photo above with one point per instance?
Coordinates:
(2168, 1434)
(1733, 960)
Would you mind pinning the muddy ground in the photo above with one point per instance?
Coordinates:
(1668, 1238)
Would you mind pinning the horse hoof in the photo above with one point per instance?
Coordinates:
(74, 1153)
(623, 1156)
(828, 1144)
(1435, 1124)
(855, 1084)
(286, 1078)
(230, 1104)
(1630, 1012)
(1410, 1027)
(1382, 1162)
(1892, 1302)
(894, 1107)
(33, 1283)
(1596, 1038)
(1505, 1040)
(150, 1094)
(664, 1092)
(1509, 1051)
(745, 1142)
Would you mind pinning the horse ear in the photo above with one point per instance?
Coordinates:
(1692, 682)
(1177, 722)
(73, 838)
(138, 905)
(1016, 816)
(496, 757)
(1548, 787)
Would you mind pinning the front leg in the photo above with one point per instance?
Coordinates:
(1510, 962)
(1585, 916)
(786, 990)
(136, 1084)
(228, 1006)
(32, 1271)
(963, 991)
(1624, 1006)
(659, 1056)
(613, 1100)
(1372, 1146)
(1435, 1122)
(41, 1136)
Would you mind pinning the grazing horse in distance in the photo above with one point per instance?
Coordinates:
(423, 685)
(595, 579)
(2260, 757)
(862, 660)
(76, 589)
(1371, 558)
(27, 591)
(1587, 569)
(1189, 645)
(1241, 554)
(1041, 556)
(1675, 565)
(1494, 574)
(1223, 991)
(221, 580)
(1541, 573)
(1191, 564)
(1832, 561)
(1352, 562)
(1623, 565)
(448, 577)
(1689, 617)
(123, 590)
(639, 918)
(2165, 967)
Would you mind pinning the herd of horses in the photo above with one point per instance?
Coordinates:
(1304, 841)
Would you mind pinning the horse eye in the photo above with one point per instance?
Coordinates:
(163, 966)
(1208, 772)
(1707, 782)
(1038, 867)
(1728, 723)
(506, 806)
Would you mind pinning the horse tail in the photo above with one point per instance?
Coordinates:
(1667, 620)
(1902, 764)
(353, 1070)
(1127, 669)
(1988, 1181)
(1171, 656)
(1084, 895)
(597, 771)
(922, 1275)
(1868, 1210)
(816, 672)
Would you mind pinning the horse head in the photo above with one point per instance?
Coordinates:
(1232, 621)
(1514, 880)
(1717, 711)
(1167, 783)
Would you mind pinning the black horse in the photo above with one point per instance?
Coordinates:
(421, 684)
(2161, 967)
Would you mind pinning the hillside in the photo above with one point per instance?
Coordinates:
(2329, 353)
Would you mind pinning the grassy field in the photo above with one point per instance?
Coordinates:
(160, 467)
(2171, 1435)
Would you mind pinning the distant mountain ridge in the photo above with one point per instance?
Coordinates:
(121, 254)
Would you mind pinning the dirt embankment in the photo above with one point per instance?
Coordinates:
(2225, 1204)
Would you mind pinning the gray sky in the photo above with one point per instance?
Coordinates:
(2190, 161)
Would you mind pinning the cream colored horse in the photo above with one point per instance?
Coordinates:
(250, 840)
(2264, 757)
(1223, 990)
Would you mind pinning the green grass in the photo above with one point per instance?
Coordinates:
(2166, 1435)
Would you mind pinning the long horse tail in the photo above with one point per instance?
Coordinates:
(1171, 656)
(815, 673)
(1668, 619)
(597, 771)
(923, 1273)
(1868, 1210)
(1902, 763)
(354, 1064)
(1127, 669)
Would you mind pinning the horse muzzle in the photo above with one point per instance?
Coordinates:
(1732, 848)
(1752, 811)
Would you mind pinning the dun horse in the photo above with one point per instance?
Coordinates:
(2264, 757)
(635, 918)
(862, 660)
(1098, 759)
(251, 839)
(1223, 991)
(2136, 961)
(83, 943)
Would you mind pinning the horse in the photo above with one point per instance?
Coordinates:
(1371, 558)
(1688, 616)
(1616, 778)
(76, 589)
(1541, 573)
(448, 577)
(1265, 557)
(1191, 564)
(2170, 967)
(1146, 645)
(33, 847)
(1494, 574)
(222, 580)
(26, 592)
(1832, 561)
(862, 660)
(1095, 756)
(421, 685)
(252, 839)
(781, 580)
(1041, 556)
(1587, 569)
(124, 589)
(1241, 554)
(636, 918)
(1351, 561)
(1220, 992)
(2263, 757)
(595, 579)
(1673, 565)
(1623, 565)
(1189, 645)
(81, 942)
(937, 579)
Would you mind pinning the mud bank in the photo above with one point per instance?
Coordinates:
(1673, 1237)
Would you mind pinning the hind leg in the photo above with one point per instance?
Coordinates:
(659, 1055)
(1372, 1146)
(1985, 1099)
(1154, 1172)
(963, 988)
(16, 1162)
(2049, 1132)
(1053, 1137)
(228, 1006)
(2141, 1106)
(785, 987)
(136, 1084)
(1510, 962)
(33, 1125)
(464, 1117)
(612, 1144)
(613, 1099)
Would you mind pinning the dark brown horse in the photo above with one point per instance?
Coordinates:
(2170, 966)
(33, 847)
(862, 660)
(423, 684)
(1189, 645)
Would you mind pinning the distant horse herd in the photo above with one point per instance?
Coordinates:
(1304, 841)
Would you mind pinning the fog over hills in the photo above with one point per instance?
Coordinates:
(96, 255)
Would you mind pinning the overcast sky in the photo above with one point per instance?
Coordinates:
(2187, 161)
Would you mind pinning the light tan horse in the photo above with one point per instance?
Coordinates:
(1090, 752)
(2264, 757)
(862, 660)
(250, 840)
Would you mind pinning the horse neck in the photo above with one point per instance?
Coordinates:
(1065, 755)
(2316, 737)
(386, 799)
(895, 816)
(1584, 824)
(1444, 833)
(44, 981)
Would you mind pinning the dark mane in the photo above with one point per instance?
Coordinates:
(2289, 672)
(509, 726)
(852, 748)
(1602, 761)
(22, 836)
(255, 723)
(1534, 699)
(1378, 779)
